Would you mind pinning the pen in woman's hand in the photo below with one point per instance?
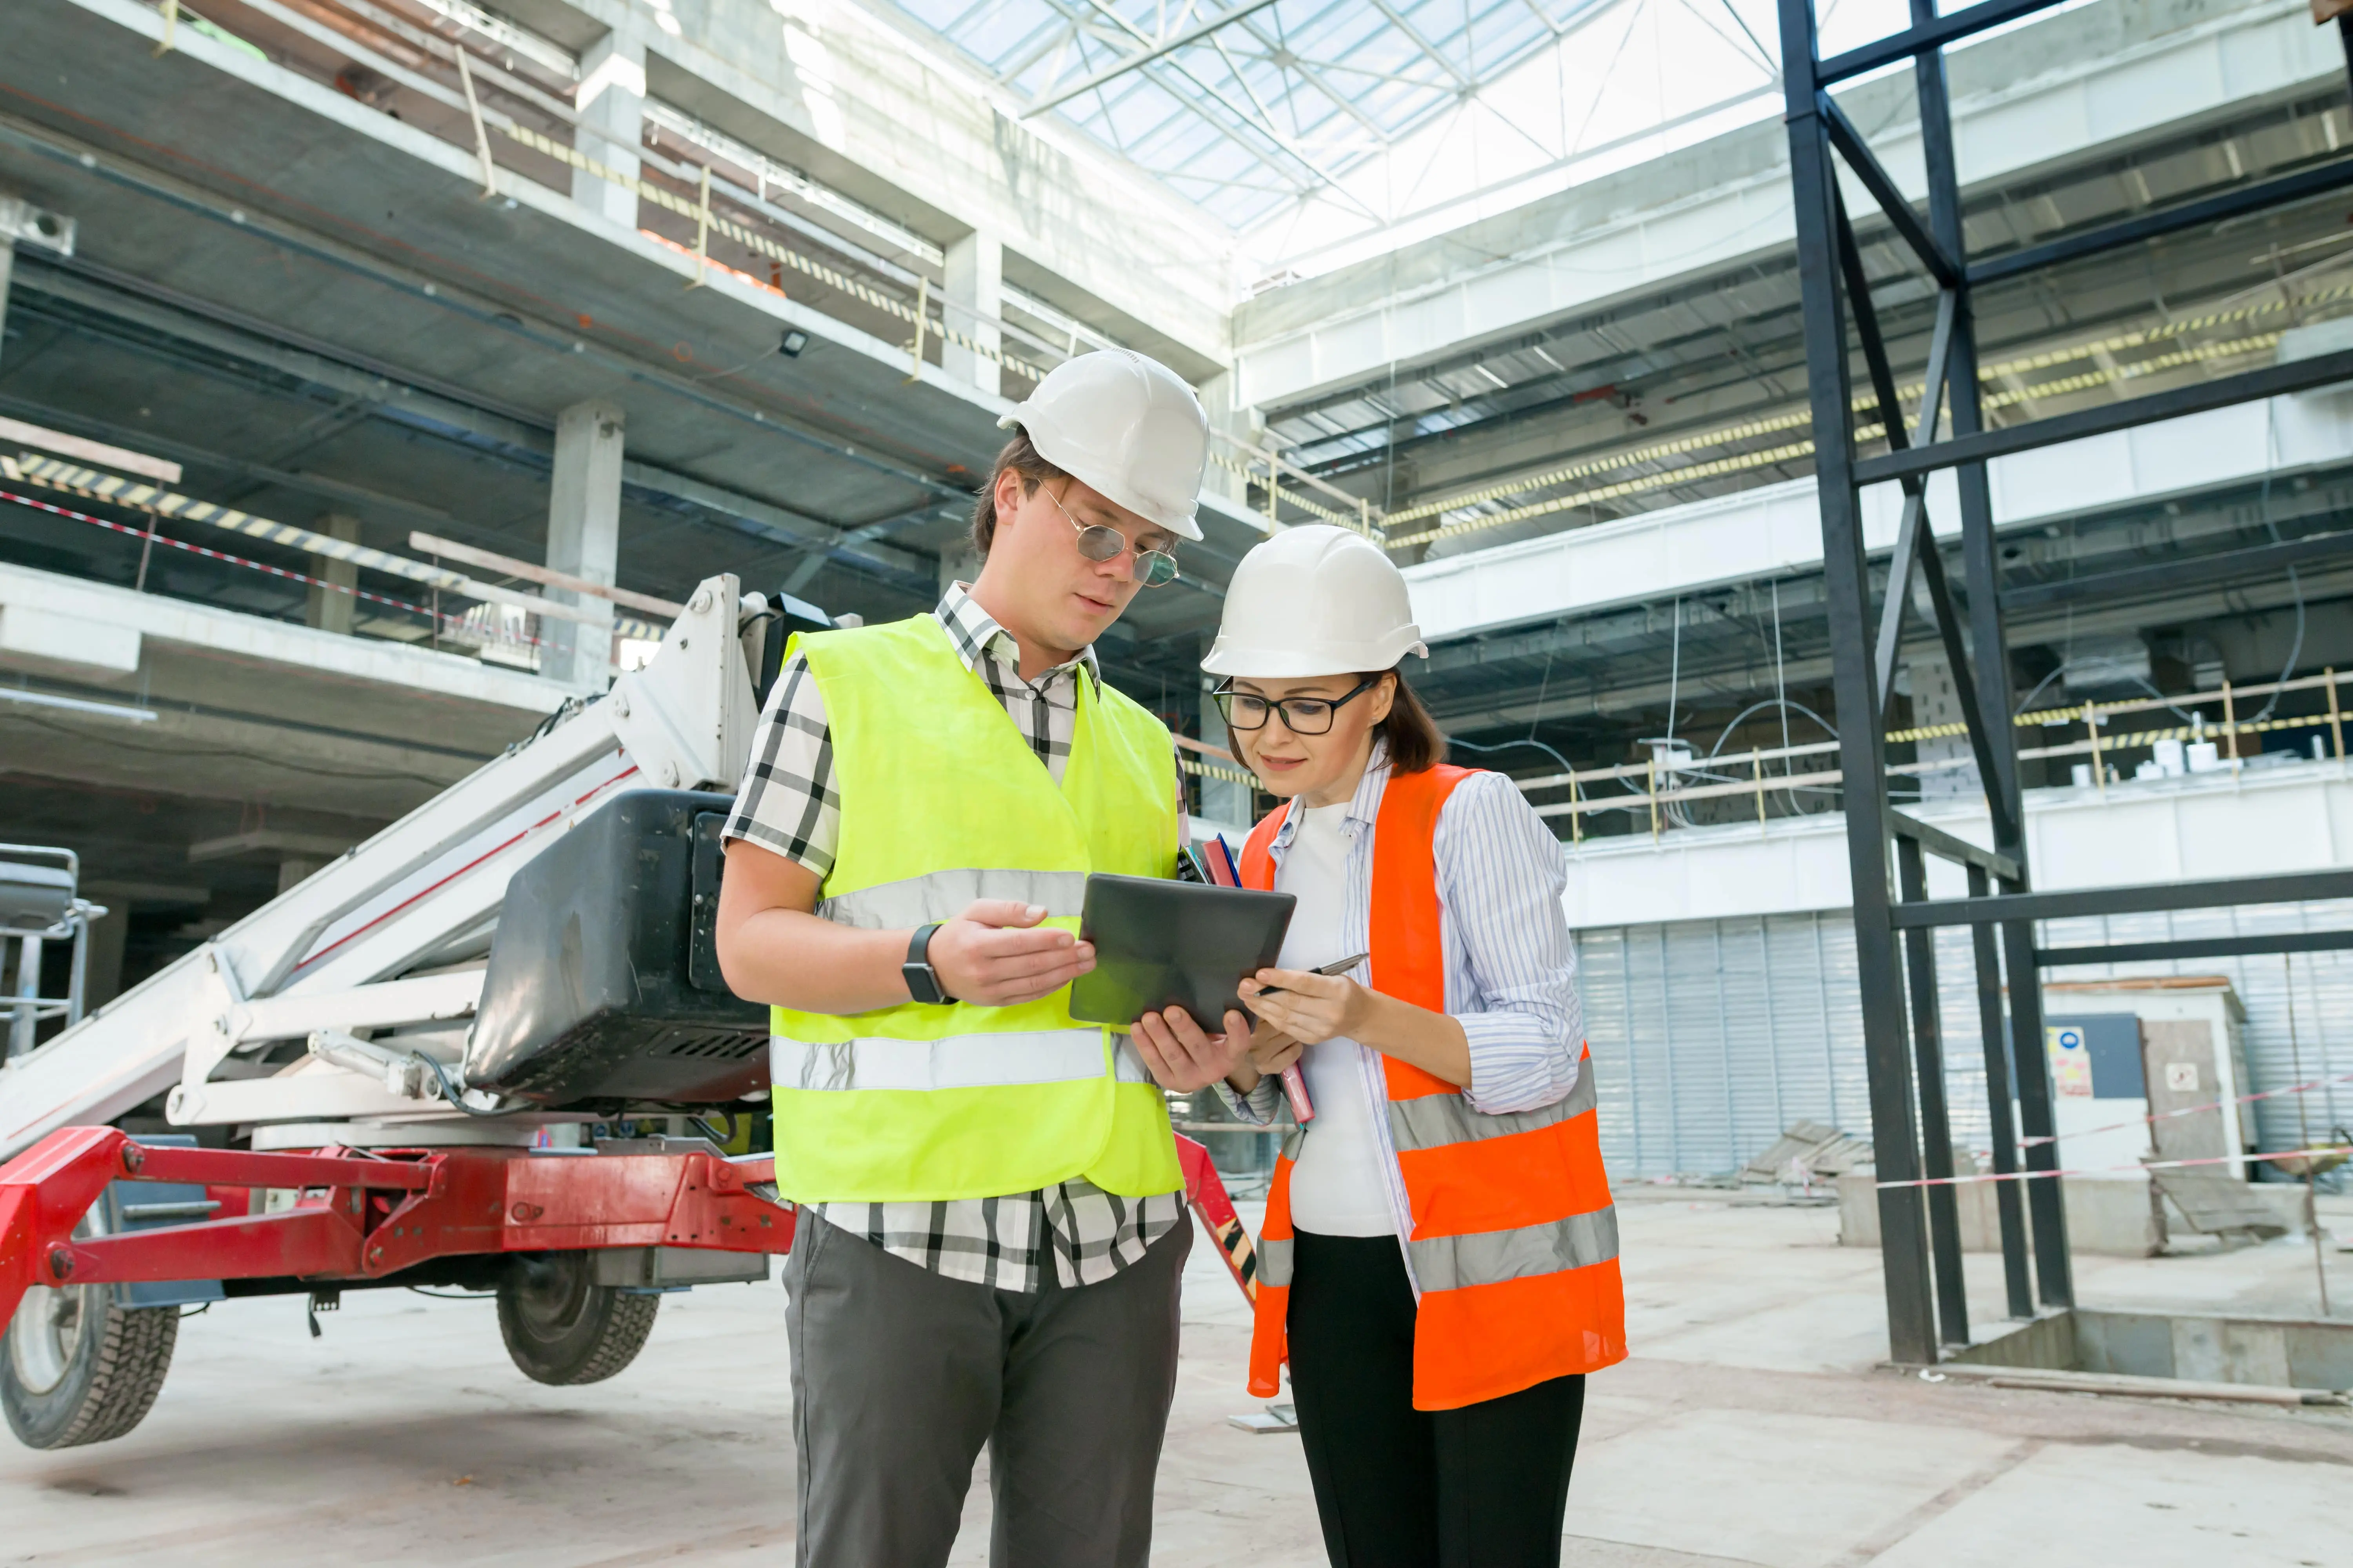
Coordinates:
(1342, 967)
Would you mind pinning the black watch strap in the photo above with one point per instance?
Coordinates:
(924, 981)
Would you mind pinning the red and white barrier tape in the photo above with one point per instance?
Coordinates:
(2190, 1110)
(455, 623)
(2111, 1170)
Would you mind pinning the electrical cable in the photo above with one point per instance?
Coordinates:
(1782, 690)
(1674, 670)
(2065, 665)
(2264, 510)
(455, 1296)
(1566, 767)
(449, 1091)
(1784, 705)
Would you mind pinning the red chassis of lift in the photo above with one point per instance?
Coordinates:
(361, 1215)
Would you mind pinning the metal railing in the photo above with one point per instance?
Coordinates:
(2103, 750)
(39, 906)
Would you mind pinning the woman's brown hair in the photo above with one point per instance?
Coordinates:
(1415, 741)
(1022, 459)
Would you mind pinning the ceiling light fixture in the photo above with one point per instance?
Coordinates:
(76, 705)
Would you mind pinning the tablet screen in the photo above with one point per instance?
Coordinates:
(1163, 943)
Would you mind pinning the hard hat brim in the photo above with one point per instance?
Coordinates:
(1230, 657)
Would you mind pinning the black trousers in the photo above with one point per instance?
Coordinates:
(1485, 1486)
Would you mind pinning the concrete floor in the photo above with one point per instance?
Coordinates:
(1750, 1429)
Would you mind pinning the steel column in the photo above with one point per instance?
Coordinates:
(1911, 1324)
(2001, 1130)
(1989, 671)
(2054, 1268)
(1936, 1121)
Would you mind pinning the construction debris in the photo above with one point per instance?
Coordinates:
(1806, 1154)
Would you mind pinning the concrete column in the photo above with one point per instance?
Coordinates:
(1222, 802)
(296, 870)
(8, 269)
(584, 539)
(1235, 424)
(328, 610)
(1936, 700)
(975, 280)
(613, 104)
(959, 562)
(24, 1023)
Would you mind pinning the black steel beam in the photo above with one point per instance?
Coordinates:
(1935, 1119)
(1862, 758)
(2249, 386)
(2301, 185)
(2017, 1283)
(2256, 561)
(1945, 846)
(1924, 36)
(2225, 892)
(2038, 1118)
(1988, 677)
(2196, 947)
(1915, 538)
(1858, 155)
(1885, 648)
(1957, 657)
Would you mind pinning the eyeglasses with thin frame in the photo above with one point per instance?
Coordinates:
(1152, 568)
(1300, 715)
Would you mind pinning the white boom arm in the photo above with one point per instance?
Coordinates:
(392, 934)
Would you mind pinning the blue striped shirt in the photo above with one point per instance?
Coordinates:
(1511, 968)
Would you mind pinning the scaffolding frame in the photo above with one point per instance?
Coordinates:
(1896, 920)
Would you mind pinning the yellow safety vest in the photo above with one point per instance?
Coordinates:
(943, 801)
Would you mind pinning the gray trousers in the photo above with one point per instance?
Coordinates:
(900, 1375)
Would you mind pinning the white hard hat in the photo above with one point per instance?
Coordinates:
(1315, 600)
(1123, 426)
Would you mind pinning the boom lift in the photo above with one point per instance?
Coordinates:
(384, 1075)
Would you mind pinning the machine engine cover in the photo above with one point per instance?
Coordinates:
(603, 977)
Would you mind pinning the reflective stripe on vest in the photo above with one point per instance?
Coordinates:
(1490, 1257)
(1434, 1121)
(959, 1061)
(942, 802)
(1515, 1238)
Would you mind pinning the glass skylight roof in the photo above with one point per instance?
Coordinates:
(1251, 107)
(1325, 131)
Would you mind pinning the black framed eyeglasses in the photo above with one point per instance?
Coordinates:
(1152, 568)
(1300, 715)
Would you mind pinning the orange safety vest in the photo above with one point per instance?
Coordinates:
(1515, 1239)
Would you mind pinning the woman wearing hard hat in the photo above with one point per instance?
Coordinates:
(1440, 1258)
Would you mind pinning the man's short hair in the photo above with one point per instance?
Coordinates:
(1021, 457)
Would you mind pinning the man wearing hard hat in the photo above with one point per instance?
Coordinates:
(991, 1222)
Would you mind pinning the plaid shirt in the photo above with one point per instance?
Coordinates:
(790, 804)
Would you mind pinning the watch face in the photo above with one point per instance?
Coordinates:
(921, 983)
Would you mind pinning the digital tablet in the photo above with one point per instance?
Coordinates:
(1161, 944)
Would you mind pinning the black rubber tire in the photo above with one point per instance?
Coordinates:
(115, 1362)
(563, 1328)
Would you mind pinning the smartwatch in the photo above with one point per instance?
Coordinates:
(923, 980)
